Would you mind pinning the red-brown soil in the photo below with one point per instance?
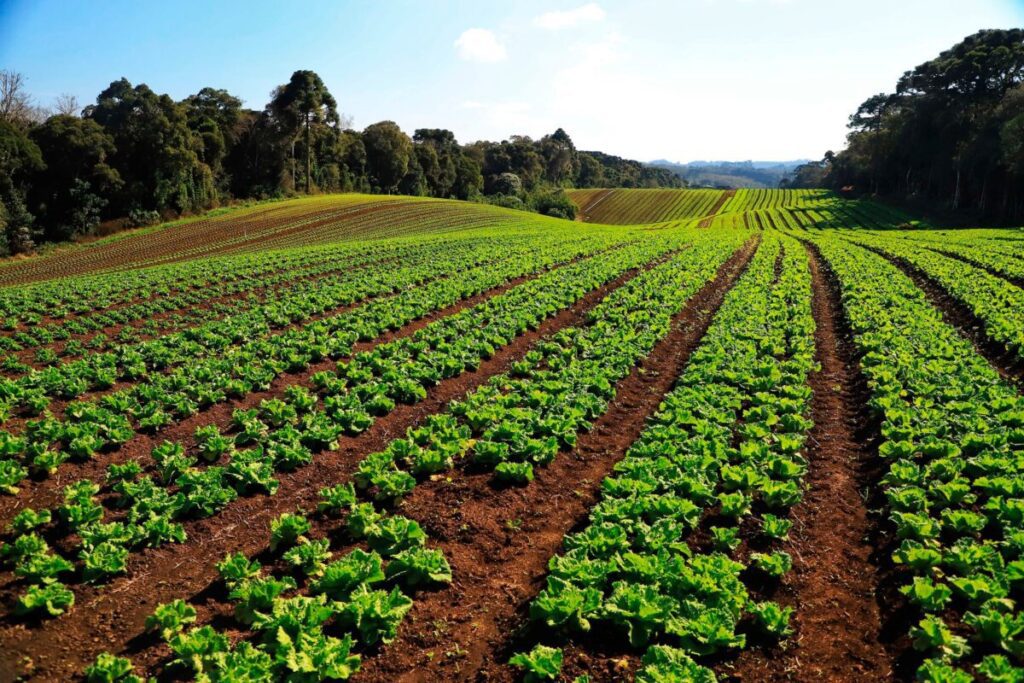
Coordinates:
(500, 540)
(834, 582)
(111, 617)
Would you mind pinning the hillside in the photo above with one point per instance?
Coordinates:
(380, 422)
(730, 174)
(306, 221)
(748, 208)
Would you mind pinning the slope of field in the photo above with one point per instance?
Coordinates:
(773, 438)
(298, 222)
(633, 206)
(750, 208)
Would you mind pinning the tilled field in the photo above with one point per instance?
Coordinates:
(731, 442)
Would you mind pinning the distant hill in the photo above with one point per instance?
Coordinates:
(730, 174)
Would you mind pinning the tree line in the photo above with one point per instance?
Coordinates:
(951, 134)
(138, 157)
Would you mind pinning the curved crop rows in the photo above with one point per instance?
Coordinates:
(626, 207)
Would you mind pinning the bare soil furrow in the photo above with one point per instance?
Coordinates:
(834, 582)
(111, 618)
(500, 540)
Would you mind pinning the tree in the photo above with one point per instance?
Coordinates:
(948, 133)
(301, 104)
(508, 184)
(555, 203)
(591, 173)
(438, 154)
(19, 159)
(354, 159)
(809, 175)
(388, 151)
(156, 155)
(468, 179)
(69, 194)
(559, 156)
(16, 106)
(215, 118)
(66, 104)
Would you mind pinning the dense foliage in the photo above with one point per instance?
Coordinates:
(136, 156)
(952, 133)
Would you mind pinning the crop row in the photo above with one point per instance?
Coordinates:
(143, 360)
(169, 241)
(305, 221)
(984, 254)
(996, 302)
(711, 477)
(66, 297)
(635, 206)
(953, 440)
(286, 434)
(758, 199)
(287, 306)
(520, 420)
(89, 427)
(111, 329)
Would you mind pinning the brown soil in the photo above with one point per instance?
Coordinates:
(834, 582)
(726, 196)
(500, 540)
(45, 491)
(111, 617)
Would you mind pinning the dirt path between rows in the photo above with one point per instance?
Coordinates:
(707, 220)
(834, 581)
(109, 618)
(499, 541)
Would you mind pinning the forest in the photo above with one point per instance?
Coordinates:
(137, 157)
(950, 135)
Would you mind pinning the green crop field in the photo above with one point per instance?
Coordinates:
(373, 438)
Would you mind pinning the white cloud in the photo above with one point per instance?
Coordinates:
(480, 45)
(556, 20)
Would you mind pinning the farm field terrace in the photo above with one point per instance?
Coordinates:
(699, 435)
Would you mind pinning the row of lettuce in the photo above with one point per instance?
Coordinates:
(515, 422)
(197, 479)
(203, 324)
(241, 360)
(689, 529)
(210, 296)
(995, 301)
(953, 440)
(151, 360)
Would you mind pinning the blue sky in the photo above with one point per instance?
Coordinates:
(683, 79)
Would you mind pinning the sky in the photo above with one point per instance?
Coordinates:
(676, 79)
